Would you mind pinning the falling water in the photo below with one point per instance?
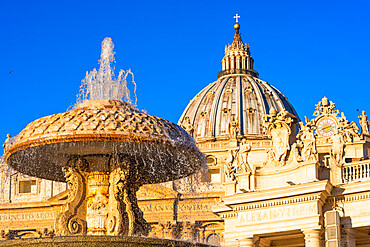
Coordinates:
(102, 84)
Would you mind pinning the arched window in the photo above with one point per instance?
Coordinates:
(214, 239)
(211, 160)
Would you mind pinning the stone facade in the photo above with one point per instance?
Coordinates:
(273, 180)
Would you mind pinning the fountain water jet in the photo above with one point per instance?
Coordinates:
(105, 149)
(102, 84)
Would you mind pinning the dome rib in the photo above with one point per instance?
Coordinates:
(215, 108)
(192, 116)
(239, 106)
(226, 101)
(276, 97)
(257, 90)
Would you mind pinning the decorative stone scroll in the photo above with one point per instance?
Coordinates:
(279, 126)
(71, 221)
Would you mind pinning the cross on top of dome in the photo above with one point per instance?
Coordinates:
(237, 26)
(236, 17)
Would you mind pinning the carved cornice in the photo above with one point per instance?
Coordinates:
(278, 202)
(228, 215)
(348, 198)
(322, 188)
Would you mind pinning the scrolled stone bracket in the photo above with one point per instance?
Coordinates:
(125, 216)
(71, 221)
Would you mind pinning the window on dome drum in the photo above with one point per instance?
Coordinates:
(27, 186)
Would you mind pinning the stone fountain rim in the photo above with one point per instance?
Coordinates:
(93, 137)
(99, 240)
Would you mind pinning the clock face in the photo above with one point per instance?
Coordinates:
(326, 127)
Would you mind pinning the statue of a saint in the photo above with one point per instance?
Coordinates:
(350, 129)
(188, 127)
(243, 164)
(364, 123)
(6, 142)
(233, 128)
(294, 153)
(337, 148)
(230, 169)
(308, 143)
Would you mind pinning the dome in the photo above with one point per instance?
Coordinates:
(238, 97)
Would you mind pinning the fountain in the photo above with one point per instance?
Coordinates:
(105, 149)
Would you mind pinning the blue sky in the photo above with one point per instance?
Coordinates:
(307, 49)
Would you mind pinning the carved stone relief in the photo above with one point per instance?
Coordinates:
(279, 125)
(280, 142)
(97, 202)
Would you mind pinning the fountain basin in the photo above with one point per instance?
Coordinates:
(97, 129)
(95, 241)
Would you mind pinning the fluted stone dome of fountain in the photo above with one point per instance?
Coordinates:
(237, 95)
(159, 146)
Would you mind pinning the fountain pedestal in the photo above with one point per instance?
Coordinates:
(97, 200)
(102, 203)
